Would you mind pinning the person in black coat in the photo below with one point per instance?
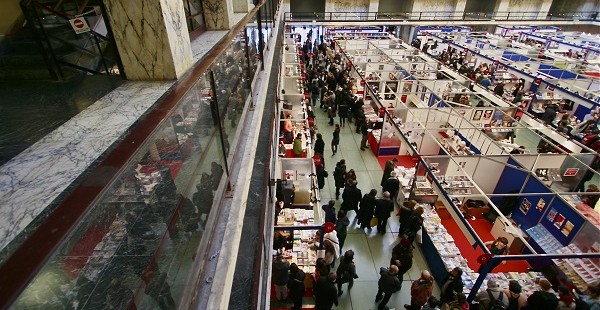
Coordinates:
(359, 117)
(343, 112)
(392, 185)
(406, 212)
(383, 207)
(367, 209)
(329, 210)
(339, 176)
(351, 197)
(319, 145)
(325, 292)
(415, 223)
(451, 286)
(387, 171)
(296, 286)
(549, 114)
(402, 257)
(387, 285)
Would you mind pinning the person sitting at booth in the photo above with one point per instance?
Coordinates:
(298, 149)
(497, 247)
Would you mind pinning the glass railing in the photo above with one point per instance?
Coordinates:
(139, 243)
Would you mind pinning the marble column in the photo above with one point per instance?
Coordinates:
(502, 7)
(242, 6)
(373, 6)
(544, 9)
(459, 10)
(152, 38)
(218, 14)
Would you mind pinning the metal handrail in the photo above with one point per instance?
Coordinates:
(437, 15)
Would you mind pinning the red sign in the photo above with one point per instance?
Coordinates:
(571, 172)
(362, 82)
(78, 23)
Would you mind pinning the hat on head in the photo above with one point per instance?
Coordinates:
(514, 286)
(405, 242)
(491, 283)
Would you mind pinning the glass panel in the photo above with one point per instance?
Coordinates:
(141, 238)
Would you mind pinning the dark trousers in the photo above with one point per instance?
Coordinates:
(381, 225)
(297, 299)
(363, 141)
(337, 191)
(384, 301)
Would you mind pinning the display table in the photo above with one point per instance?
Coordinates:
(442, 255)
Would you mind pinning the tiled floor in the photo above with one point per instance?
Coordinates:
(372, 250)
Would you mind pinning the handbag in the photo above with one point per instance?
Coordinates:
(374, 222)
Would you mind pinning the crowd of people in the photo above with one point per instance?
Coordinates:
(331, 87)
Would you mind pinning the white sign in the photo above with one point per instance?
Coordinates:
(79, 25)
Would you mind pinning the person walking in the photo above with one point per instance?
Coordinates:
(319, 145)
(346, 271)
(387, 170)
(494, 297)
(329, 210)
(325, 292)
(341, 227)
(339, 176)
(402, 257)
(351, 197)
(336, 139)
(296, 286)
(343, 113)
(459, 302)
(453, 285)
(545, 298)
(280, 277)
(406, 212)
(516, 300)
(367, 209)
(383, 207)
(387, 285)
(415, 224)
(364, 130)
(420, 291)
(392, 185)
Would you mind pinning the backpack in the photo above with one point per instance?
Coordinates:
(496, 304)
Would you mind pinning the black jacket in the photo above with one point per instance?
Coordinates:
(388, 283)
(325, 294)
(351, 197)
(391, 185)
(383, 208)
(367, 208)
(319, 146)
(455, 285)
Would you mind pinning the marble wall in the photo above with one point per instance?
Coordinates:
(434, 5)
(242, 6)
(217, 14)
(347, 6)
(152, 38)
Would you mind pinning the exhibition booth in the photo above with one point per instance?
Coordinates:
(501, 186)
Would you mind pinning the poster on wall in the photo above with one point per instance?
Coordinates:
(540, 205)
(559, 220)
(525, 205)
(477, 115)
(551, 215)
(567, 228)
(487, 114)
